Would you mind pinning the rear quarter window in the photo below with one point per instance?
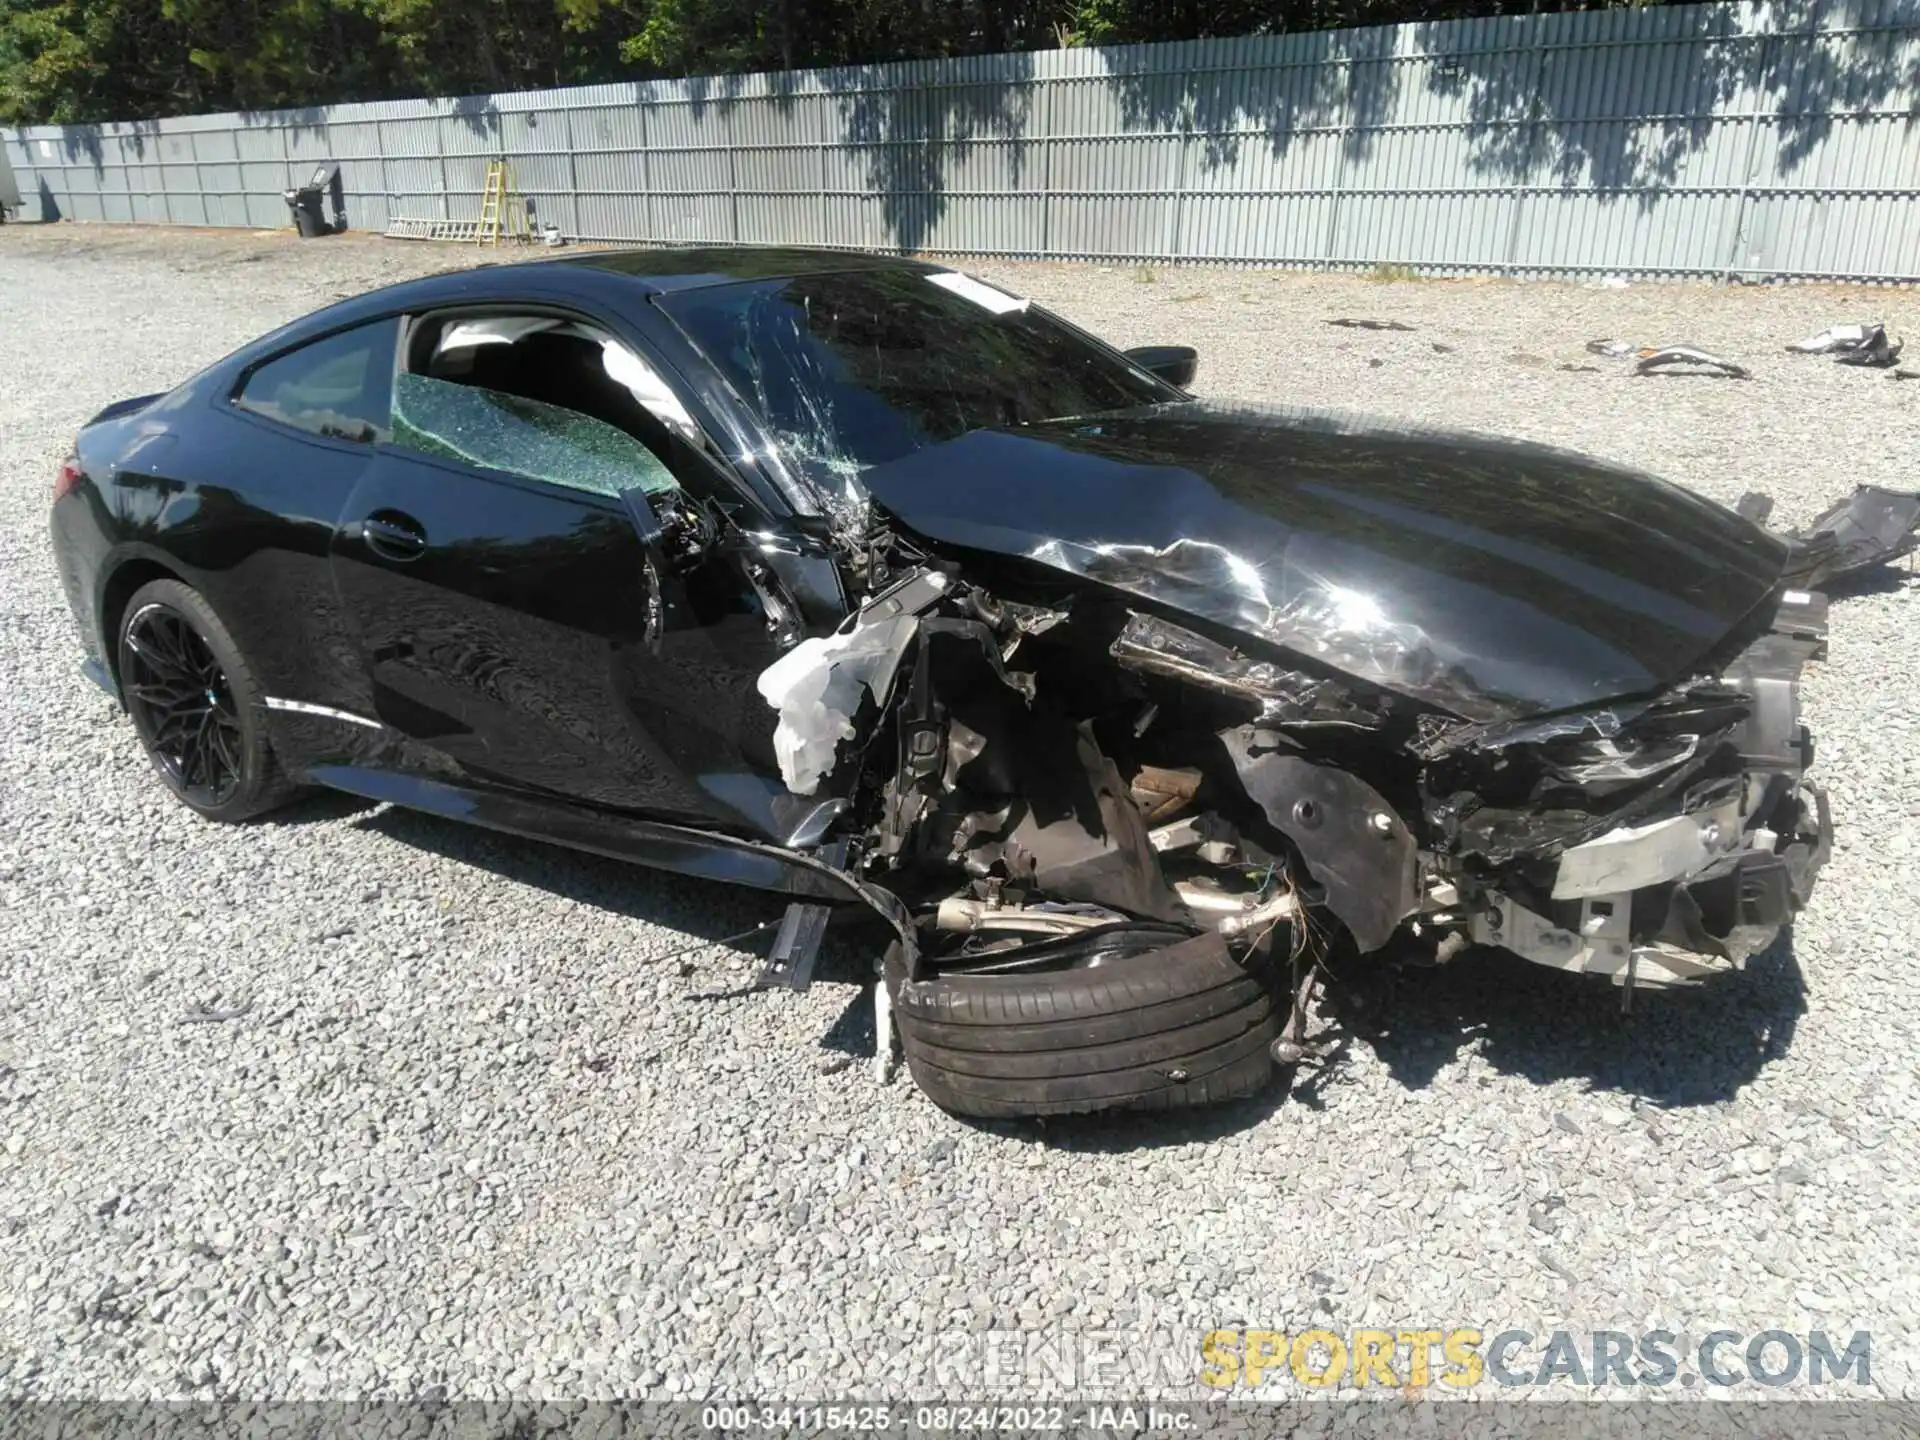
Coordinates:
(340, 387)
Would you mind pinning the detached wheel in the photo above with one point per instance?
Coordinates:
(196, 706)
(1175, 1027)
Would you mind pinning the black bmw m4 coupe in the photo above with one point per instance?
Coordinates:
(859, 579)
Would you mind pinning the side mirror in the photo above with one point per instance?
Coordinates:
(1174, 364)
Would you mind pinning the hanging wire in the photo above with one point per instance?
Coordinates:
(711, 944)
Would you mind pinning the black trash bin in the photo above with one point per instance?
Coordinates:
(308, 202)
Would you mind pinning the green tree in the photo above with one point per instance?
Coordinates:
(71, 60)
(76, 60)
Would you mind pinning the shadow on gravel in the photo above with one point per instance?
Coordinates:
(1685, 1047)
(1881, 580)
(318, 808)
(1681, 1048)
(1122, 1131)
(708, 915)
(1678, 1048)
(701, 910)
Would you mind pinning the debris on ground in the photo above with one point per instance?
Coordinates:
(1834, 337)
(1865, 343)
(1612, 349)
(1879, 353)
(1348, 324)
(204, 1014)
(1654, 361)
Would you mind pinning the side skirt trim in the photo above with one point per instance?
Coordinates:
(325, 712)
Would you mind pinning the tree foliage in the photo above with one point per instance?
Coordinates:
(66, 61)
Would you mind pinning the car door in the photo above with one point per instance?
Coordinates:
(539, 600)
(288, 438)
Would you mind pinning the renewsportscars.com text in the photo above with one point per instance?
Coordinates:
(1465, 1358)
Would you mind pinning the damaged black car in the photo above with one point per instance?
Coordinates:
(864, 581)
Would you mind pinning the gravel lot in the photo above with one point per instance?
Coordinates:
(475, 1129)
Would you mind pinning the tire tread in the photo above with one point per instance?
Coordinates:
(1175, 1027)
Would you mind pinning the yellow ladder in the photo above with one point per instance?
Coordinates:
(502, 209)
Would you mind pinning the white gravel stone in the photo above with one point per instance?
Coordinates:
(468, 1139)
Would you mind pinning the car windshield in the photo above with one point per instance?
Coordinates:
(854, 369)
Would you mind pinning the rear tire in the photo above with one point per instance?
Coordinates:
(195, 704)
(1171, 1028)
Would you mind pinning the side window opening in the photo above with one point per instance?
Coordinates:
(339, 386)
(544, 397)
(558, 362)
(530, 438)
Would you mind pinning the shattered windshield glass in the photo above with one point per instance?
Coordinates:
(522, 437)
(855, 369)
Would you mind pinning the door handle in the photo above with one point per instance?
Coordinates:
(393, 535)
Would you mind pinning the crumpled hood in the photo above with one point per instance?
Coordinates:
(1492, 578)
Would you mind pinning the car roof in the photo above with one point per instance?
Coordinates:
(662, 269)
(613, 276)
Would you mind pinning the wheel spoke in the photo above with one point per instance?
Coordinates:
(167, 639)
(203, 750)
(159, 693)
(226, 743)
(156, 660)
(182, 756)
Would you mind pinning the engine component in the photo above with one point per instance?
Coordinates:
(967, 916)
(1210, 838)
(1161, 793)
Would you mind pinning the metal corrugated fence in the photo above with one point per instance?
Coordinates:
(1760, 140)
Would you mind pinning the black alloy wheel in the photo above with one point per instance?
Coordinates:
(182, 704)
(196, 706)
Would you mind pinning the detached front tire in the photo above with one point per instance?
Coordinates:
(196, 706)
(1171, 1028)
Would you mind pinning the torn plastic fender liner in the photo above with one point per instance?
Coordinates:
(817, 685)
(1353, 842)
(1079, 835)
(1870, 527)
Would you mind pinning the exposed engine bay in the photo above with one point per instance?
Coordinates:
(1052, 777)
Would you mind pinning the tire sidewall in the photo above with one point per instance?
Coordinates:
(256, 758)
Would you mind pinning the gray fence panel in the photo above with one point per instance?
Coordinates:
(1711, 140)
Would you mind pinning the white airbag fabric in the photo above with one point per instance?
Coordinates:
(817, 687)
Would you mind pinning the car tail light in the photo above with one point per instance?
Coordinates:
(69, 478)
